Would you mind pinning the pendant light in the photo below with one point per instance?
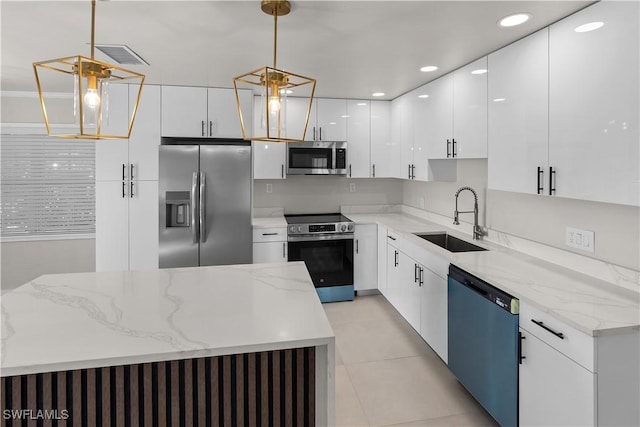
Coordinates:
(274, 86)
(86, 81)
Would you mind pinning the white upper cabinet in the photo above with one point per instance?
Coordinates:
(437, 116)
(402, 117)
(470, 111)
(420, 151)
(269, 158)
(358, 137)
(112, 155)
(203, 112)
(593, 104)
(296, 112)
(518, 116)
(385, 152)
(145, 135)
(331, 124)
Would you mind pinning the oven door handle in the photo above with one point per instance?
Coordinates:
(316, 237)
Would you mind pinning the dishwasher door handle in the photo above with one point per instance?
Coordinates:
(469, 284)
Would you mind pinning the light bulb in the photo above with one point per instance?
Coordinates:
(274, 104)
(91, 99)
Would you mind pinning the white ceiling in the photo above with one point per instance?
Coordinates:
(353, 48)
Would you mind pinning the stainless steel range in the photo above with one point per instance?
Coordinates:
(325, 243)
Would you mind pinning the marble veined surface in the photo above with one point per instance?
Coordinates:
(590, 304)
(84, 320)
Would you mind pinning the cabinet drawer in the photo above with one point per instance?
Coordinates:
(574, 344)
(276, 234)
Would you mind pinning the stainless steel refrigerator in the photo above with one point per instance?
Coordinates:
(205, 204)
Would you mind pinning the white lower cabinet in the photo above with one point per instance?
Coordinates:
(365, 257)
(433, 312)
(270, 245)
(126, 225)
(382, 259)
(403, 288)
(554, 390)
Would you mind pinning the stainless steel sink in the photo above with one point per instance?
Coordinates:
(450, 243)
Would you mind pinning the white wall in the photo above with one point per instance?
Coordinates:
(24, 261)
(323, 194)
(541, 219)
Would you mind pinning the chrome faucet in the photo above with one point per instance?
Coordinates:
(477, 231)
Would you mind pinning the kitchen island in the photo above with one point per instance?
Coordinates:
(184, 346)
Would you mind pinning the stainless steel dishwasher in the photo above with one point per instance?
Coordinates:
(484, 343)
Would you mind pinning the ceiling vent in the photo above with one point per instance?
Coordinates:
(121, 54)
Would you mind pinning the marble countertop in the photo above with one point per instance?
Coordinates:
(269, 222)
(84, 320)
(591, 305)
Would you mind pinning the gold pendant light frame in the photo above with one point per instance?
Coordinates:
(96, 73)
(275, 84)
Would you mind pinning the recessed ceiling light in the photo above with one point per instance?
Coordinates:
(361, 104)
(428, 68)
(377, 94)
(344, 116)
(479, 71)
(499, 99)
(585, 28)
(513, 20)
(423, 96)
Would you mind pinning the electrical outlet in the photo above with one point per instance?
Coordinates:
(269, 188)
(580, 239)
(352, 187)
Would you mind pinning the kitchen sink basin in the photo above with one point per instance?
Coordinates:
(450, 243)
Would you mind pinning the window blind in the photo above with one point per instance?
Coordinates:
(48, 186)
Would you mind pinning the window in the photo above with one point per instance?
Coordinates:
(47, 188)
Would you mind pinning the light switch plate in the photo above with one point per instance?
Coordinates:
(269, 188)
(580, 239)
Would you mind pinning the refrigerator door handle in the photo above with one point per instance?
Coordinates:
(203, 205)
(194, 223)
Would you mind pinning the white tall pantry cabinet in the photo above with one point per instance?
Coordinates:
(127, 187)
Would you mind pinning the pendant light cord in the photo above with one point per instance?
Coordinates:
(275, 37)
(93, 24)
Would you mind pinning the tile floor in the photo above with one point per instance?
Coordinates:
(386, 375)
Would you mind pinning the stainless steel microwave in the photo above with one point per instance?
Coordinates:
(317, 158)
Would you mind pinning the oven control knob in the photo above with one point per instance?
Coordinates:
(343, 228)
(292, 229)
(299, 229)
(350, 227)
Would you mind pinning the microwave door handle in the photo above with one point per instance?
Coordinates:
(203, 208)
(194, 210)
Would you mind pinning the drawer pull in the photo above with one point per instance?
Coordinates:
(391, 237)
(546, 328)
(269, 234)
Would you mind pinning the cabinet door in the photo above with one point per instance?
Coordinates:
(394, 268)
(184, 111)
(143, 225)
(402, 113)
(365, 257)
(145, 136)
(112, 226)
(553, 389)
(358, 153)
(593, 104)
(419, 134)
(269, 252)
(112, 156)
(439, 117)
(331, 119)
(385, 150)
(470, 110)
(433, 312)
(382, 259)
(222, 112)
(410, 291)
(296, 112)
(518, 115)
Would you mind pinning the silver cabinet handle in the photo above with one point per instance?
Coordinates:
(131, 173)
(124, 186)
(320, 134)
(203, 208)
(124, 171)
(202, 127)
(282, 170)
(357, 247)
(131, 191)
(210, 127)
(374, 170)
(349, 170)
(194, 210)
(284, 250)
(269, 234)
